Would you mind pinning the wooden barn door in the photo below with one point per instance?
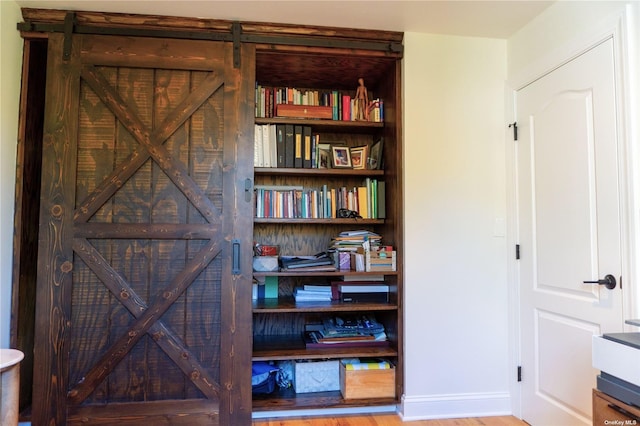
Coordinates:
(144, 273)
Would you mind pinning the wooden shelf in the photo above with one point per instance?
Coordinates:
(278, 324)
(288, 399)
(279, 171)
(327, 221)
(285, 347)
(288, 304)
(363, 275)
(326, 125)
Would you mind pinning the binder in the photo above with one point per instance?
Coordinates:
(280, 148)
(297, 135)
(289, 145)
(306, 146)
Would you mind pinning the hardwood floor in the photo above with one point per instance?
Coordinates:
(389, 420)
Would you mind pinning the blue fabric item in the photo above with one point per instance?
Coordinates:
(263, 377)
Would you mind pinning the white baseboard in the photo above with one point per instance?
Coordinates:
(455, 406)
(325, 412)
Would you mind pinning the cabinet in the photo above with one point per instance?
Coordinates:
(278, 324)
(609, 411)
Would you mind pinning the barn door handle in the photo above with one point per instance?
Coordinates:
(609, 282)
(247, 190)
(235, 262)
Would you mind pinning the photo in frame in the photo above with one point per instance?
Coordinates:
(359, 157)
(324, 156)
(375, 155)
(341, 157)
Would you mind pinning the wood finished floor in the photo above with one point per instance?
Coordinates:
(389, 420)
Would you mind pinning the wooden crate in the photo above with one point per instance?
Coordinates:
(380, 261)
(362, 384)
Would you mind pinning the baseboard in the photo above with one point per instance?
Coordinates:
(455, 406)
(325, 412)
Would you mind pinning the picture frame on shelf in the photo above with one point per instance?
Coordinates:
(324, 156)
(341, 157)
(359, 157)
(375, 155)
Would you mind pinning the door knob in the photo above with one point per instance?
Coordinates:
(609, 282)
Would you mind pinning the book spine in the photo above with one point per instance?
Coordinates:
(297, 134)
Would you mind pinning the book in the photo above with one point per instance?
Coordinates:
(289, 146)
(258, 153)
(302, 295)
(295, 262)
(364, 288)
(266, 151)
(363, 202)
(297, 149)
(302, 269)
(306, 147)
(273, 148)
(311, 342)
(382, 212)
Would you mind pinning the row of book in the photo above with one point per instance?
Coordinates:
(342, 105)
(292, 202)
(288, 146)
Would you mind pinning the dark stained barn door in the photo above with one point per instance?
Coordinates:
(144, 273)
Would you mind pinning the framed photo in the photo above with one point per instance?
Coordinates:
(359, 156)
(324, 156)
(375, 155)
(341, 156)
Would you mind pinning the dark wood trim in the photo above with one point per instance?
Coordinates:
(27, 208)
(45, 20)
(183, 412)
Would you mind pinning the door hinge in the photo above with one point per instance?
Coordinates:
(519, 373)
(517, 251)
(515, 130)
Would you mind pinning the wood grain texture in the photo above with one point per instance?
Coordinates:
(390, 420)
(54, 286)
(142, 166)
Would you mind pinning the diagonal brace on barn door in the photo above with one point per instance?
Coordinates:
(151, 143)
(163, 336)
(143, 322)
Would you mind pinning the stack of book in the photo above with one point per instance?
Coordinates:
(313, 293)
(351, 331)
(352, 240)
(320, 262)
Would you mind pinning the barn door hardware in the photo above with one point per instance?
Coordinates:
(69, 26)
(234, 34)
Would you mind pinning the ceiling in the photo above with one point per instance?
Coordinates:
(479, 18)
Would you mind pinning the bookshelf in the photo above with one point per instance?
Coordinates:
(278, 324)
(181, 224)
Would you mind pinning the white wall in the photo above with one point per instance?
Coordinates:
(10, 77)
(563, 25)
(456, 347)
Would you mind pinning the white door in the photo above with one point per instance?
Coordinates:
(568, 231)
